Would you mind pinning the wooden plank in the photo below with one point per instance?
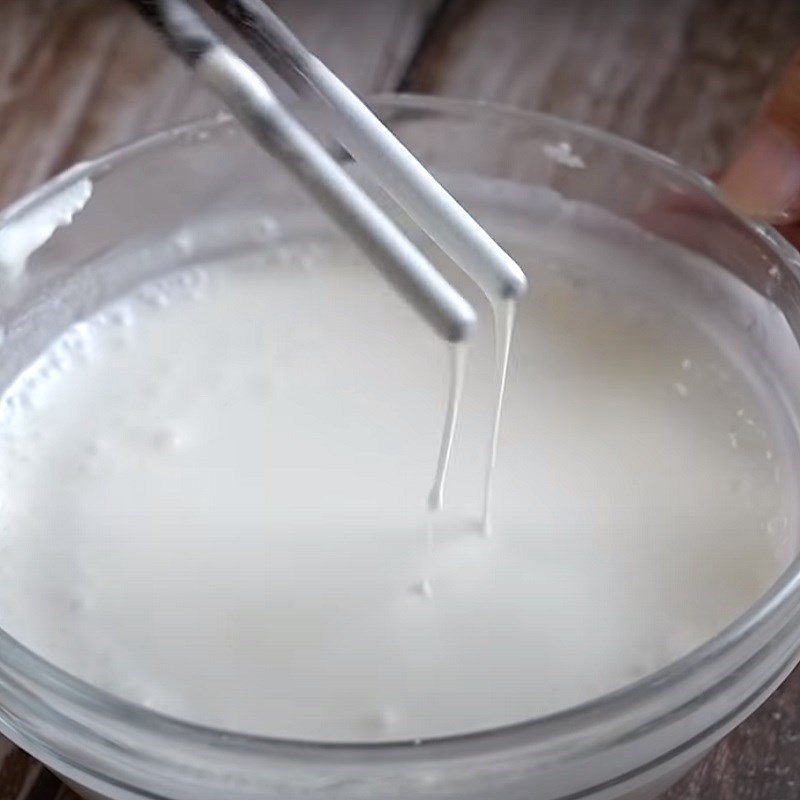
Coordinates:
(65, 793)
(683, 77)
(760, 760)
(82, 76)
(18, 773)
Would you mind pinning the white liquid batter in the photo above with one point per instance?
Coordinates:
(458, 365)
(212, 499)
(504, 331)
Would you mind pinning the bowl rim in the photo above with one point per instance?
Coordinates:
(563, 724)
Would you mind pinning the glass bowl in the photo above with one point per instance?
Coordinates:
(146, 197)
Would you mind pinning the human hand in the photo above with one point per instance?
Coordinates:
(763, 180)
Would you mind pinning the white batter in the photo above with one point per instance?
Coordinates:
(213, 499)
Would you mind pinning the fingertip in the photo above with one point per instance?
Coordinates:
(763, 181)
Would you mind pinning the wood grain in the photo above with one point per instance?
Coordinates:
(82, 76)
(683, 77)
(18, 773)
(760, 760)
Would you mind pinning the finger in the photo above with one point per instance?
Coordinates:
(764, 178)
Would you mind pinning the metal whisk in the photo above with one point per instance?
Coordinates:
(403, 177)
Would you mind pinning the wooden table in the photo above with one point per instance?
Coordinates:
(682, 76)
